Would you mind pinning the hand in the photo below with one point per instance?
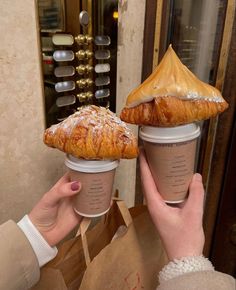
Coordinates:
(53, 215)
(180, 228)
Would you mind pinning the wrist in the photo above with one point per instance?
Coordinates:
(42, 229)
(192, 248)
(178, 255)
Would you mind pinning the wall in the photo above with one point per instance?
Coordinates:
(129, 71)
(28, 167)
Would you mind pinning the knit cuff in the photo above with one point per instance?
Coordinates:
(42, 249)
(184, 265)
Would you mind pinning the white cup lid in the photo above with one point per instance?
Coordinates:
(90, 166)
(169, 135)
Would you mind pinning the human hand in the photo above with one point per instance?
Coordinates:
(53, 215)
(180, 228)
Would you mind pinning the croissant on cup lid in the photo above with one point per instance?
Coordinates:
(172, 95)
(93, 133)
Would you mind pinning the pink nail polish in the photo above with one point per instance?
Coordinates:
(75, 186)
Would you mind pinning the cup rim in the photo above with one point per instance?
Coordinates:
(163, 135)
(90, 166)
(92, 215)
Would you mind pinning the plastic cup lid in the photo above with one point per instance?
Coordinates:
(169, 135)
(90, 166)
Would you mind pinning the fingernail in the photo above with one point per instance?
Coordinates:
(75, 186)
(197, 177)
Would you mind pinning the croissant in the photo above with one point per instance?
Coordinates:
(172, 95)
(93, 133)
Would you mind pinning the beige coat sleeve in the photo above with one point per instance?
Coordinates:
(19, 268)
(207, 280)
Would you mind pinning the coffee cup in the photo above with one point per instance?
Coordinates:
(171, 157)
(96, 177)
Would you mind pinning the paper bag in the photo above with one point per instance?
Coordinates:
(131, 261)
(122, 251)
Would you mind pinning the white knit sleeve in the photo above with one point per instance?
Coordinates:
(43, 251)
(184, 265)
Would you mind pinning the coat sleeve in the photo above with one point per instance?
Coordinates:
(209, 280)
(19, 268)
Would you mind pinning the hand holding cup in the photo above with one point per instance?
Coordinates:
(53, 215)
(180, 227)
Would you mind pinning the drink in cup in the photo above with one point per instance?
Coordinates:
(96, 177)
(171, 156)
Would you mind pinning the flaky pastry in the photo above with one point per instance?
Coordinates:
(93, 133)
(172, 95)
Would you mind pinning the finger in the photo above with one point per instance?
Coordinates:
(195, 199)
(61, 191)
(151, 193)
(64, 179)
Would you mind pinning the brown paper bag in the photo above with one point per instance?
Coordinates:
(122, 251)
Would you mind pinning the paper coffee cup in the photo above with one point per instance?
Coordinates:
(96, 177)
(171, 156)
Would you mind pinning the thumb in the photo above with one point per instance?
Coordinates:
(61, 190)
(195, 199)
(153, 197)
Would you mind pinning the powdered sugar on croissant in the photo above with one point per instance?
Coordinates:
(93, 133)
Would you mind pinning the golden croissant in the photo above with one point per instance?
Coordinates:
(172, 95)
(93, 133)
